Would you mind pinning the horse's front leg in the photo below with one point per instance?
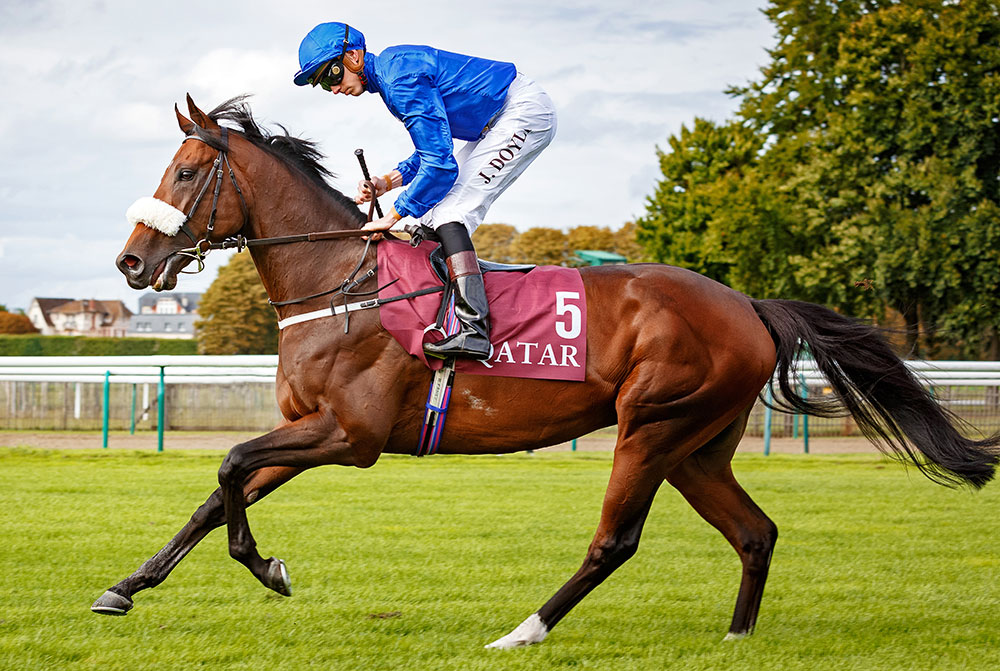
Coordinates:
(314, 440)
(210, 515)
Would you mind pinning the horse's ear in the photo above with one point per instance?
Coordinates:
(200, 117)
(187, 126)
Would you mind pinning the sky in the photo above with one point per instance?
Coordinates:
(88, 88)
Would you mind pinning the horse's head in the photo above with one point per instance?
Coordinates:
(198, 201)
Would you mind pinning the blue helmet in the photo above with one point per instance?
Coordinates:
(323, 43)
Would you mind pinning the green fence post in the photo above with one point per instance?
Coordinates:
(131, 428)
(107, 406)
(805, 418)
(573, 447)
(768, 398)
(160, 396)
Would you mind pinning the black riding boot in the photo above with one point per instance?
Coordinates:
(471, 308)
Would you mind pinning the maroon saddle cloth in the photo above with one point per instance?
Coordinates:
(538, 318)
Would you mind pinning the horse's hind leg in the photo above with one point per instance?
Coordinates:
(635, 477)
(210, 515)
(706, 480)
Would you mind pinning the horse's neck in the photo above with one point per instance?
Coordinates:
(293, 270)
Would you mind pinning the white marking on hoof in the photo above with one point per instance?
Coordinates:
(735, 637)
(529, 632)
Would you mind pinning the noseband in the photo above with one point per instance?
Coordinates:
(202, 246)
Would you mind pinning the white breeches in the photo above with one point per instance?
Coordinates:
(522, 128)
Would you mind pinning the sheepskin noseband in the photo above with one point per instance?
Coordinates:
(157, 214)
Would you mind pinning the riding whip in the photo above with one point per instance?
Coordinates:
(360, 153)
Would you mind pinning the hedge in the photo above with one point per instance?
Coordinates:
(37, 345)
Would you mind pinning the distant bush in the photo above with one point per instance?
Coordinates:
(12, 322)
(36, 345)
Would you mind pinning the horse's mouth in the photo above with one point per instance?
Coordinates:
(164, 277)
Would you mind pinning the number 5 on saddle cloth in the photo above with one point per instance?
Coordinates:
(538, 315)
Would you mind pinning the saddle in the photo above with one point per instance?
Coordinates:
(421, 233)
(441, 268)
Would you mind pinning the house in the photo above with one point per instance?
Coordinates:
(38, 313)
(86, 317)
(165, 315)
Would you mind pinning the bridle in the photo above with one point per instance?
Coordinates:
(201, 247)
(239, 242)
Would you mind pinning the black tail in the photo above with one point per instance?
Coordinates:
(887, 401)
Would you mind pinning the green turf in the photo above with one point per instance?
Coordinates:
(875, 568)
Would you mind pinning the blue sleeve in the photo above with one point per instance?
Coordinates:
(420, 106)
(408, 168)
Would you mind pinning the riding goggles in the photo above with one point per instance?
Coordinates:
(329, 74)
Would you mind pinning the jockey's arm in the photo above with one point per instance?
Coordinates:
(419, 104)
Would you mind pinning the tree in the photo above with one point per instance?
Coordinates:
(15, 323)
(235, 315)
(626, 243)
(712, 214)
(913, 154)
(543, 246)
(860, 171)
(494, 242)
(599, 238)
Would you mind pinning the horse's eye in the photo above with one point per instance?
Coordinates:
(185, 175)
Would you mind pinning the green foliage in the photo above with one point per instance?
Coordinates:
(627, 245)
(37, 345)
(235, 315)
(860, 172)
(549, 246)
(874, 569)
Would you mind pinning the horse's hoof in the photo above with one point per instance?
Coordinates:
(277, 577)
(529, 632)
(736, 636)
(112, 604)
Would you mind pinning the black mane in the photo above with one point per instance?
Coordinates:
(294, 151)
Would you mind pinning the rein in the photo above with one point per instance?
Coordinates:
(239, 242)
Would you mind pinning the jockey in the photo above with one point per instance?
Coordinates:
(504, 117)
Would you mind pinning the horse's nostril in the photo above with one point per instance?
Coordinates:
(130, 264)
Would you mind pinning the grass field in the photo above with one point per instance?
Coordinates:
(875, 568)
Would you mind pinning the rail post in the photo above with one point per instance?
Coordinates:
(106, 411)
(131, 428)
(768, 398)
(160, 396)
(805, 418)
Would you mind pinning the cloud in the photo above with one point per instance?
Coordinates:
(89, 122)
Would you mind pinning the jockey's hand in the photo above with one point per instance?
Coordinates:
(383, 224)
(382, 185)
(365, 194)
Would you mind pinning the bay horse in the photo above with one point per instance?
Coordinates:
(675, 359)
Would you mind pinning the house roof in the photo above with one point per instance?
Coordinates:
(187, 300)
(115, 309)
(598, 256)
(46, 305)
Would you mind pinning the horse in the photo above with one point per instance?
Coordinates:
(675, 359)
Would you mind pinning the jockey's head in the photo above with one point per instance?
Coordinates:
(332, 56)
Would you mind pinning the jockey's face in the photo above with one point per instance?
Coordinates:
(351, 84)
